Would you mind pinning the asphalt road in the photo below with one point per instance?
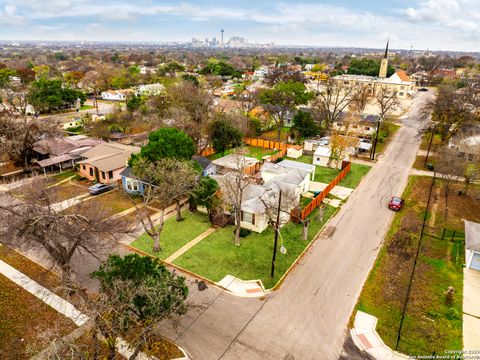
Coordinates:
(307, 318)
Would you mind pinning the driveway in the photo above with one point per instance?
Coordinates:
(307, 318)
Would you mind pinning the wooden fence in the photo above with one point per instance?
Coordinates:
(319, 198)
(265, 143)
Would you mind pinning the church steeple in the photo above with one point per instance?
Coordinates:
(384, 63)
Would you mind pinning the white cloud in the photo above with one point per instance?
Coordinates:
(426, 24)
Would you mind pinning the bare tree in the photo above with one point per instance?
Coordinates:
(233, 185)
(194, 105)
(450, 166)
(166, 181)
(35, 222)
(360, 99)
(387, 101)
(18, 135)
(340, 146)
(332, 100)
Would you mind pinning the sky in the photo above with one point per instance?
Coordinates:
(422, 24)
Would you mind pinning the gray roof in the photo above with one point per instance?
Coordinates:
(109, 156)
(63, 145)
(54, 160)
(297, 165)
(232, 161)
(472, 236)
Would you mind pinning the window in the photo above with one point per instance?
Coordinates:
(84, 167)
(318, 159)
(132, 185)
(402, 87)
(91, 171)
(248, 217)
(103, 174)
(400, 93)
(110, 174)
(367, 128)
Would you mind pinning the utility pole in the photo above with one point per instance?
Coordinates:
(372, 157)
(276, 234)
(415, 262)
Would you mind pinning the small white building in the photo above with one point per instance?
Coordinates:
(472, 245)
(150, 89)
(117, 95)
(298, 177)
(295, 152)
(322, 157)
(310, 145)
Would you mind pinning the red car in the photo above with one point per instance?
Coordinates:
(395, 203)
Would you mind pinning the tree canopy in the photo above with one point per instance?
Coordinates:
(46, 95)
(304, 123)
(224, 135)
(368, 67)
(166, 143)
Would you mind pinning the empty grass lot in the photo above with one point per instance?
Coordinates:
(216, 256)
(175, 234)
(431, 324)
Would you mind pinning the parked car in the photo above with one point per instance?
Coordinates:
(98, 189)
(395, 203)
(422, 89)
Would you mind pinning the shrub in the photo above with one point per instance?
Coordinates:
(243, 232)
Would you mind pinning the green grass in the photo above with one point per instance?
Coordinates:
(216, 256)
(252, 151)
(63, 175)
(386, 133)
(87, 107)
(430, 323)
(353, 178)
(326, 175)
(175, 234)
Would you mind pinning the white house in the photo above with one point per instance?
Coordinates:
(149, 89)
(321, 157)
(468, 147)
(298, 177)
(117, 95)
(310, 145)
(472, 245)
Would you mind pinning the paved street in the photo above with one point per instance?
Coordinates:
(307, 317)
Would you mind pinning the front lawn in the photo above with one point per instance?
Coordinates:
(216, 256)
(113, 202)
(431, 324)
(385, 135)
(326, 175)
(175, 234)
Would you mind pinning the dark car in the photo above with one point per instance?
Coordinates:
(423, 89)
(98, 189)
(395, 203)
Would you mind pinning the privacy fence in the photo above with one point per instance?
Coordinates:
(317, 201)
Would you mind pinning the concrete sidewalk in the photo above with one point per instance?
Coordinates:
(366, 338)
(191, 244)
(42, 293)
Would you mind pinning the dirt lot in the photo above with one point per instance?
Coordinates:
(21, 334)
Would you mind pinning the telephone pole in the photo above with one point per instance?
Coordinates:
(276, 234)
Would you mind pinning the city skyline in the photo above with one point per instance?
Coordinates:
(422, 24)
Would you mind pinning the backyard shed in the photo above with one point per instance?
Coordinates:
(295, 152)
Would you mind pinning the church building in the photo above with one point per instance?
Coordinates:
(399, 83)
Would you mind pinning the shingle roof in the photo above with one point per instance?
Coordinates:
(232, 161)
(202, 161)
(109, 156)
